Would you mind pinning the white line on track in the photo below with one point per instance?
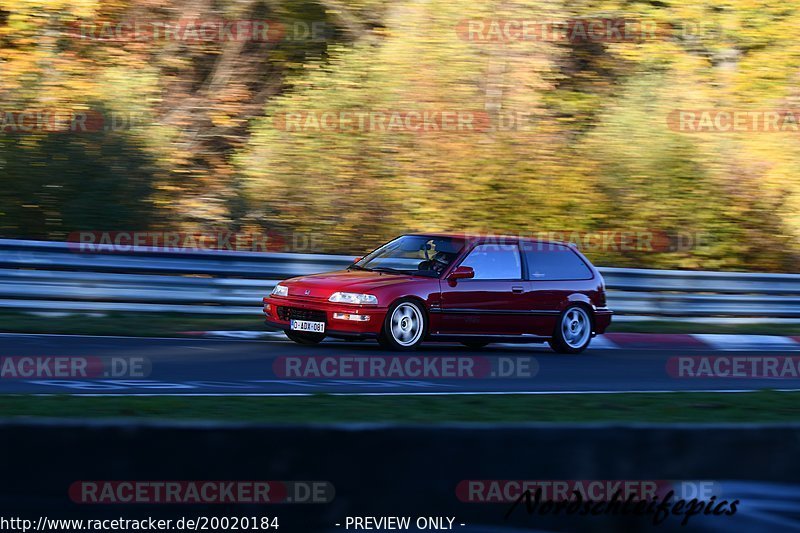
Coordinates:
(487, 393)
(195, 338)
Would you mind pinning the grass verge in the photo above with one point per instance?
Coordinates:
(763, 406)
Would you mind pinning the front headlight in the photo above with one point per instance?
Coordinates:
(280, 290)
(352, 298)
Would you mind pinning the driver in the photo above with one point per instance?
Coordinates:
(438, 263)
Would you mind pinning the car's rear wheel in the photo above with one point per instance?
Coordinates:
(305, 338)
(405, 326)
(475, 344)
(573, 332)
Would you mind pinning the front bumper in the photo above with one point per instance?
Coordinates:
(334, 327)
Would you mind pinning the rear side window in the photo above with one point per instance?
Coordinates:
(495, 261)
(554, 262)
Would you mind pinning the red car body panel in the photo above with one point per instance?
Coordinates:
(388, 288)
(523, 310)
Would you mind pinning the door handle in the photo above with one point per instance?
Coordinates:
(517, 289)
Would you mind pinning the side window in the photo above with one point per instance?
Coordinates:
(554, 262)
(495, 261)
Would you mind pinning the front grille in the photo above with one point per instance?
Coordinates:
(295, 313)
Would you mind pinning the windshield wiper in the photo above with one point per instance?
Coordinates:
(357, 267)
(426, 273)
(390, 270)
(405, 272)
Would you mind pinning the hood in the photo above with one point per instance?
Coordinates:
(323, 285)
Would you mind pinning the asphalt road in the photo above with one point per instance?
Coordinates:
(147, 366)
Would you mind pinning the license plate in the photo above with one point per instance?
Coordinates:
(307, 325)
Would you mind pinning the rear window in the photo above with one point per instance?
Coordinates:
(554, 262)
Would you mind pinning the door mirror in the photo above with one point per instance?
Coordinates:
(357, 259)
(462, 272)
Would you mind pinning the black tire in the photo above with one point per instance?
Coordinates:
(305, 339)
(475, 344)
(562, 342)
(416, 328)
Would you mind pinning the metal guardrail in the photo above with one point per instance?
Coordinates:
(53, 276)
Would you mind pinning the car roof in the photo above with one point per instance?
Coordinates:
(494, 237)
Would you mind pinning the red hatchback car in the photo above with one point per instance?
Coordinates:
(442, 287)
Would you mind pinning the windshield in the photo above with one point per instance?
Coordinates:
(414, 254)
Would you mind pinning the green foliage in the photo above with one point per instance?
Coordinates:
(579, 138)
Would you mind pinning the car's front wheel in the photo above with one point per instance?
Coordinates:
(573, 332)
(305, 338)
(405, 326)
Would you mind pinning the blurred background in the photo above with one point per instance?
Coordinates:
(331, 126)
(192, 133)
